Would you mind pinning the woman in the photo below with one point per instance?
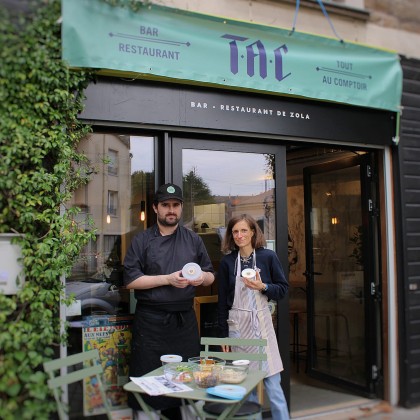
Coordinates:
(243, 303)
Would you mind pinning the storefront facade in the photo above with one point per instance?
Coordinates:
(315, 169)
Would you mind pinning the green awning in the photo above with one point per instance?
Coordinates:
(163, 43)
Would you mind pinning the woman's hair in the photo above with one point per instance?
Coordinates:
(257, 240)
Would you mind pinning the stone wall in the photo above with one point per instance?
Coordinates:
(398, 14)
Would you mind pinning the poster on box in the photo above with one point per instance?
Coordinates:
(123, 414)
(111, 335)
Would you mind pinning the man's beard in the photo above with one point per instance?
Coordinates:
(163, 221)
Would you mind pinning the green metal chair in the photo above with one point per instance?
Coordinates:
(248, 410)
(57, 380)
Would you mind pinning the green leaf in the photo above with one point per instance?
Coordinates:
(20, 356)
(13, 390)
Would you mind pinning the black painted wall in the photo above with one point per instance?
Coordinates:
(407, 160)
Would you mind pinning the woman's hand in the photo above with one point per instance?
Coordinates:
(225, 349)
(256, 284)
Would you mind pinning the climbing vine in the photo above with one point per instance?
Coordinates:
(40, 168)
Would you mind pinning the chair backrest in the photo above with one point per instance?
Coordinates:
(91, 368)
(259, 354)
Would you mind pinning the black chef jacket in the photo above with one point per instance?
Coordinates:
(152, 254)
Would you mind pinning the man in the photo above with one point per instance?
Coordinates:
(165, 321)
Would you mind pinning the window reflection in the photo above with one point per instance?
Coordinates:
(118, 201)
(242, 183)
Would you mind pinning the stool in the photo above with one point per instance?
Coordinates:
(295, 343)
(248, 410)
(328, 349)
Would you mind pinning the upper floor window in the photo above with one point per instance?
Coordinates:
(113, 162)
(112, 203)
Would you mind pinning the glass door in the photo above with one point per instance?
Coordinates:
(224, 179)
(343, 313)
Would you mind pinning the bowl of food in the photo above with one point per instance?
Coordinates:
(179, 372)
(206, 361)
(233, 374)
(206, 376)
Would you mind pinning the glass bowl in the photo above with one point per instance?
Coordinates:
(207, 361)
(179, 372)
(233, 374)
(206, 376)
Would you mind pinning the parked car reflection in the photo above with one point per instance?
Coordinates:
(100, 294)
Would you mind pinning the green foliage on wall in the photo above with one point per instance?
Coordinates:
(39, 170)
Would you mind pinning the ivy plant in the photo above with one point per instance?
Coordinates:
(40, 168)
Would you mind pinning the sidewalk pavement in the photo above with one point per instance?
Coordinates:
(380, 410)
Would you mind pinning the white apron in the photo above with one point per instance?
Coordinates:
(250, 317)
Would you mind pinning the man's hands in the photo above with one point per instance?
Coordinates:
(199, 281)
(175, 279)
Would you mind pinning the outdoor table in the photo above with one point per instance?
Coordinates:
(253, 378)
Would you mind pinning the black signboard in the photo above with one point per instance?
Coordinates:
(183, 106)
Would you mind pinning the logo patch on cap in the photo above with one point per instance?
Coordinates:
(170, 189)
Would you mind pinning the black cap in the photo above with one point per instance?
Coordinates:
(167, 192)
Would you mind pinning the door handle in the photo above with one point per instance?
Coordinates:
(311, 273)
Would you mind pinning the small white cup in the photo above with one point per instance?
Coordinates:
(170, 358)
(191, 271)
(249, 273)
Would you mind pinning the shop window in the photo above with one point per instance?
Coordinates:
(117, 207)
(126, 198)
